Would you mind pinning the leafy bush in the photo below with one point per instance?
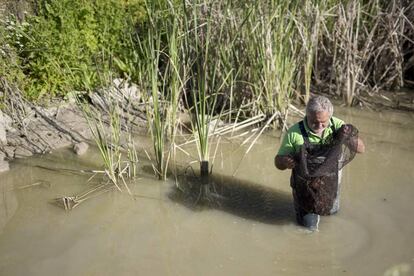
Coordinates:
(70, 44)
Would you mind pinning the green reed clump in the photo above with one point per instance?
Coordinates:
(199, 51)
(120, 162)
(308, 24)
(267, 51)
(265, 56)
(159, 50)
(269, 37)
(176, 56)
(211, 71)
(155, 108)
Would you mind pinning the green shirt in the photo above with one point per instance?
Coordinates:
(293, 139)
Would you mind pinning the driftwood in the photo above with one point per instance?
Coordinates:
(71, 202)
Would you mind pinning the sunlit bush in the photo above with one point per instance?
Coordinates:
(69, 44)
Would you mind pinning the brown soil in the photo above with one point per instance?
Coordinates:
(45, 130)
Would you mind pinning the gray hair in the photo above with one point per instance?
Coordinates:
(319, 104)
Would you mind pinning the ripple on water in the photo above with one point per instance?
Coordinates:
(336, 235)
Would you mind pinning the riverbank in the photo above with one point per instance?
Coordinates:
(63, 124)
(28, 129)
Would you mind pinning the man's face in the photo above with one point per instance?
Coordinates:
(318, 121)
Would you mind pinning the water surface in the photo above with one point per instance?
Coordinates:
(154, 234)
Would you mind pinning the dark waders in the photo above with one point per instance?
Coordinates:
(309, 204)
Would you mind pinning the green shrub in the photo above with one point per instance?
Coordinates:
(69, 44)
(10, 69)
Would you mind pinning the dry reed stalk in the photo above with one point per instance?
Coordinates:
(17, 107)
(71, 202)
(388, 60)
(267, 124)
(363, 48)
(68, 170)
(308, 25)
(36, 184)
(349, 64)
(231, 128)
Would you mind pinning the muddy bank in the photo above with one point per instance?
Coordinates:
(399, 100)
(28, 129)
(44, 130)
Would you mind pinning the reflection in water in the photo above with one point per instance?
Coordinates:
(398, 270)
(232, 195)
(8, 203)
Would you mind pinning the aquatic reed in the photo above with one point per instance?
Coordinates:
(209, 76)
(255, 45)
(106, 129)
(308, 27)
(163, 74)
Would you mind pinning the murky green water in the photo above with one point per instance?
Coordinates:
(115, 234)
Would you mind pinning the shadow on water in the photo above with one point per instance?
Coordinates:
(242, 198)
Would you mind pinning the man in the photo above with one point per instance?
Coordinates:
(317, 130)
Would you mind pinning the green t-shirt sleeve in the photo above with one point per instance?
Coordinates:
(337, 123)
(287, 146)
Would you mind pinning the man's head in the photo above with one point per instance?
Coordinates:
(319, 111)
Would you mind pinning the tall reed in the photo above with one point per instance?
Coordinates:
(273, 54)
(164, 73)
(308, 24)
(108, 141)
(155, 108)
(210, 74)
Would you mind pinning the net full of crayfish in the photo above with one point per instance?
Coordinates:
(316, 177)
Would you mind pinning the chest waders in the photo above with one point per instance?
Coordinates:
(316, 178)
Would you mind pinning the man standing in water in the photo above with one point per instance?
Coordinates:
(314, 131)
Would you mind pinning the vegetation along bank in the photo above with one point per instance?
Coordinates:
(69, 67)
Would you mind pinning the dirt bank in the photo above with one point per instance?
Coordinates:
(29, 129)
(44, 130)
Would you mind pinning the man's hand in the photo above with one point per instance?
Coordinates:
(355, 143)
(283, 162)
(347, 130)
(344, 132)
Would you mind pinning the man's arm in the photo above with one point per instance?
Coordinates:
(283, 162)
(360, 146)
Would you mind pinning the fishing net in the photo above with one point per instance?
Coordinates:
(316, 176)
